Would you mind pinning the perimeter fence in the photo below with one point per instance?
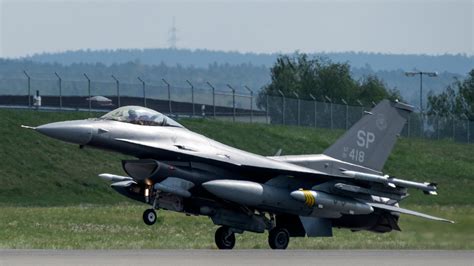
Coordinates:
(206, 100)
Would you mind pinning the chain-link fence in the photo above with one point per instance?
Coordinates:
(229, 103)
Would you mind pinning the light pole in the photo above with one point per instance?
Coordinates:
(117, 83)
(143, 87)
(421, 73)
(192, 95)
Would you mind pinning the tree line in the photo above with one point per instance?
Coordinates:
(457, 100)
(318, 77)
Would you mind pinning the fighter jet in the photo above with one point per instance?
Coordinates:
(290, 196)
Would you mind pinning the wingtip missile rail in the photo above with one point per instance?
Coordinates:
(427, 188)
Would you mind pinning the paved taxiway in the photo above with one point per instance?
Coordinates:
(235, 257)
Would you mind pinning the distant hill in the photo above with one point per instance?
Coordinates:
(458, 64)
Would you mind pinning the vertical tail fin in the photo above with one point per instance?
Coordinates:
(369, 142)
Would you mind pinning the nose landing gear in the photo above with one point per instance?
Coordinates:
(149, 216)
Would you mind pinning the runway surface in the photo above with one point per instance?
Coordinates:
(235, 257)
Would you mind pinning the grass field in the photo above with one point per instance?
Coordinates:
(112, 227)
(50, 196)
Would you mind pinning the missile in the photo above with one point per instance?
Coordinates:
(333, 203)
(300, 202)
(115, 178)
(427, 188)
(369, 177)
(254, 194)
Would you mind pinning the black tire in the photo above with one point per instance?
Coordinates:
(225, 239)
(149, 217)
(278, 238)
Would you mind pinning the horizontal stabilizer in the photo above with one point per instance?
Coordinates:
(405, 211)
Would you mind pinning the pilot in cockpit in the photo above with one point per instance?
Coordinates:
(132, 116)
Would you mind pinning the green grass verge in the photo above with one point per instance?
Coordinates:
(121, 227)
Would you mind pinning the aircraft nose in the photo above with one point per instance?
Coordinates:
(77, 132)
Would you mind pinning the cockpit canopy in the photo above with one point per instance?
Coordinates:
(140, 116)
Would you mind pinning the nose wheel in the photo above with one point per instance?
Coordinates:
(278, 238)
(225, 238)
(149, 217)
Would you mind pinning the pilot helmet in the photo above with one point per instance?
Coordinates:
(132, 114)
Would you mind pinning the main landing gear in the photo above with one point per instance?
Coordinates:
(225, 238)
(149, 216)
(278, 238)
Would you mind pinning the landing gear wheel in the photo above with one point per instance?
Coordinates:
(149, 216)
(278, 238)
(225, 239)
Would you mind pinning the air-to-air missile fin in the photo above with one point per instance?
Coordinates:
(278, 153)
(123, 183)
(370, 141)
(114, 178)
(317, 226)
(405, 211)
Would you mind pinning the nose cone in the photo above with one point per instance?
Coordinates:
(77, 132)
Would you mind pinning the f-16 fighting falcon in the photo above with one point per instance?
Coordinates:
(290, 196)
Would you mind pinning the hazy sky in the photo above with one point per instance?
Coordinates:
(403, 26)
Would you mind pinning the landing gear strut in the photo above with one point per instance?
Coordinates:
(149, 216)
(278, 238)
(225, 238)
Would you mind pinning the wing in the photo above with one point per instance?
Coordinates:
(229, 157)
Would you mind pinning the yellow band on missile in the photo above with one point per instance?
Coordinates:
(309, 198)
